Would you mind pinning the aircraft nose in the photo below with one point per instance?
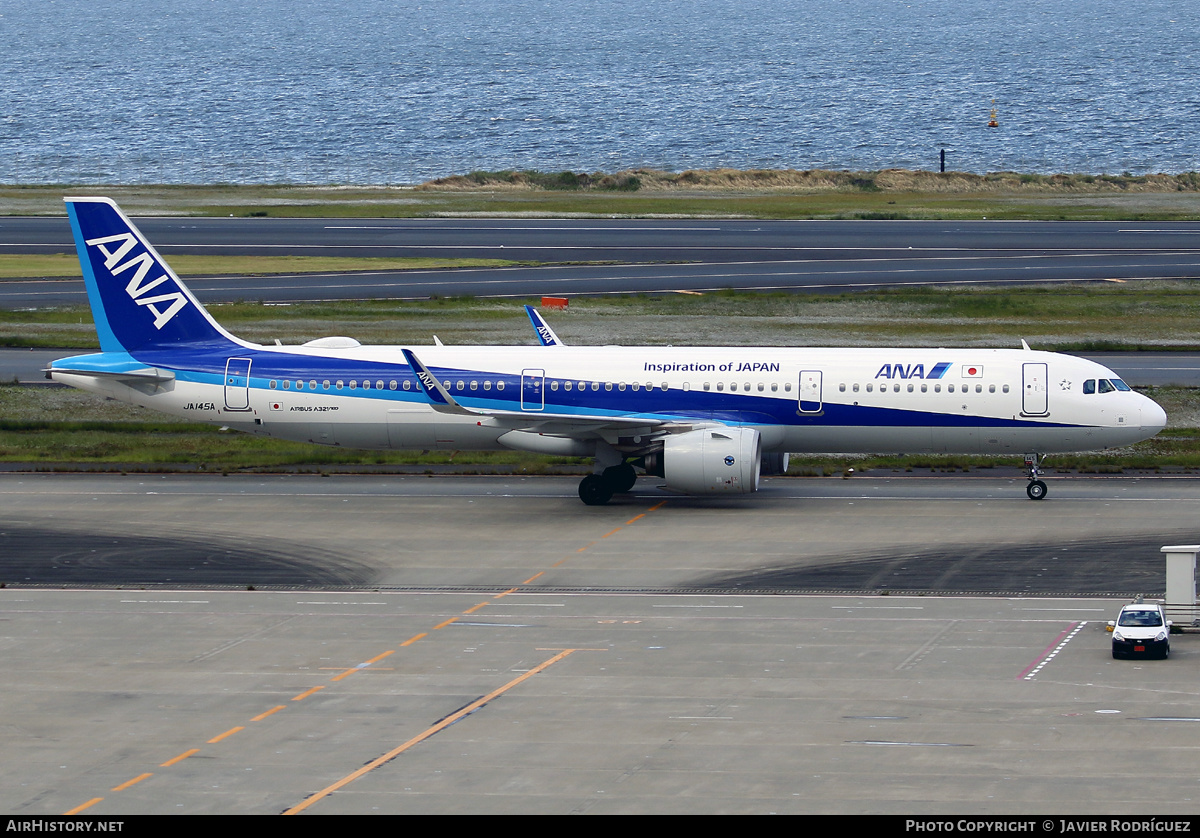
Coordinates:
(1154, 418)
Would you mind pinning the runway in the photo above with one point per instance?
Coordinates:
(330, 645)
(654, 256)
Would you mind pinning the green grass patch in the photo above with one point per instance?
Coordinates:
(886, 194)
(1078, 318)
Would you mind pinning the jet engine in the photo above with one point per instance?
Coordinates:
(710, 461)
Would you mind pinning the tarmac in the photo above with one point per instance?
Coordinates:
(916, 645)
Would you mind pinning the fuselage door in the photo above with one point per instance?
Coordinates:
(533, 389)
(1034, 390)
(810, 391)
(237, 384)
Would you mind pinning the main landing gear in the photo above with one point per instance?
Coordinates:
(598, 489)
(1036, 488)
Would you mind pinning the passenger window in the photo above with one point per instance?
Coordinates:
(841, 388)
(407, 383)
(287, 385)
(487, 385)
(787, 387)
(855, 388)
(910, 388)
(567, 386)
(774, 387)
(499, 385)
(338, 384)
(353, 384)
(1006, 388)
(870, 387)
(272, 384)
(392, 384)
(720, 386)
(379, 385)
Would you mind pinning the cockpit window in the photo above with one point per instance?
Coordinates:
(1089, 387)
(1106, 386)
(1119, 384)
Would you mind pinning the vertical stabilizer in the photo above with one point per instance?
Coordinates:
(137, 300)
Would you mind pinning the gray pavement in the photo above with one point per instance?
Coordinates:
(600, 657)
(662, 255)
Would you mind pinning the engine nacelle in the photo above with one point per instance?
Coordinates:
(710, 461)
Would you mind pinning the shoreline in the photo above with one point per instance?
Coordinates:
(890, 194)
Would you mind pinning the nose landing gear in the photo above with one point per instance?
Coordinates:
(1036, 488)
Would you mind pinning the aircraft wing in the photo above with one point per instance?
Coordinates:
(567, 424)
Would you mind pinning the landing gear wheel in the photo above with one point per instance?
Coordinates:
(594, 490)
(620, 478)
(1036, 490)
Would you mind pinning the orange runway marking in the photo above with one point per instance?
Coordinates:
(225, 735)
(535, 576)
(413, 639)
(421, 737)
(307, 693)
(179, 758)
(476, 608)
(270, 712)
(83, 806)
(446, 623)
(134, 781)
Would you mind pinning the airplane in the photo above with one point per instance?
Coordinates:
(704, 420)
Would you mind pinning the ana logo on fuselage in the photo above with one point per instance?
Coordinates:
(912, 371)
(136, 288)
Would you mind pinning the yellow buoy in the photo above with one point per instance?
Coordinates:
(992, 123)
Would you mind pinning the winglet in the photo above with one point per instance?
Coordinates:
(439, 398)
(544, 333)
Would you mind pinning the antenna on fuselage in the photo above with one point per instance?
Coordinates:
(1025, 346)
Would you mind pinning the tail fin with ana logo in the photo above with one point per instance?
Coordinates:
(137, 300)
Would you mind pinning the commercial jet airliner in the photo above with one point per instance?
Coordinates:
(704, 420)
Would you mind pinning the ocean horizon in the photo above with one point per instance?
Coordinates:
(379, 92)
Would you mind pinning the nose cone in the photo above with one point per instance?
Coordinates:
(1154, 418)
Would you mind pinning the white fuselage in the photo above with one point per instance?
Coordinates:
(799, 399)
